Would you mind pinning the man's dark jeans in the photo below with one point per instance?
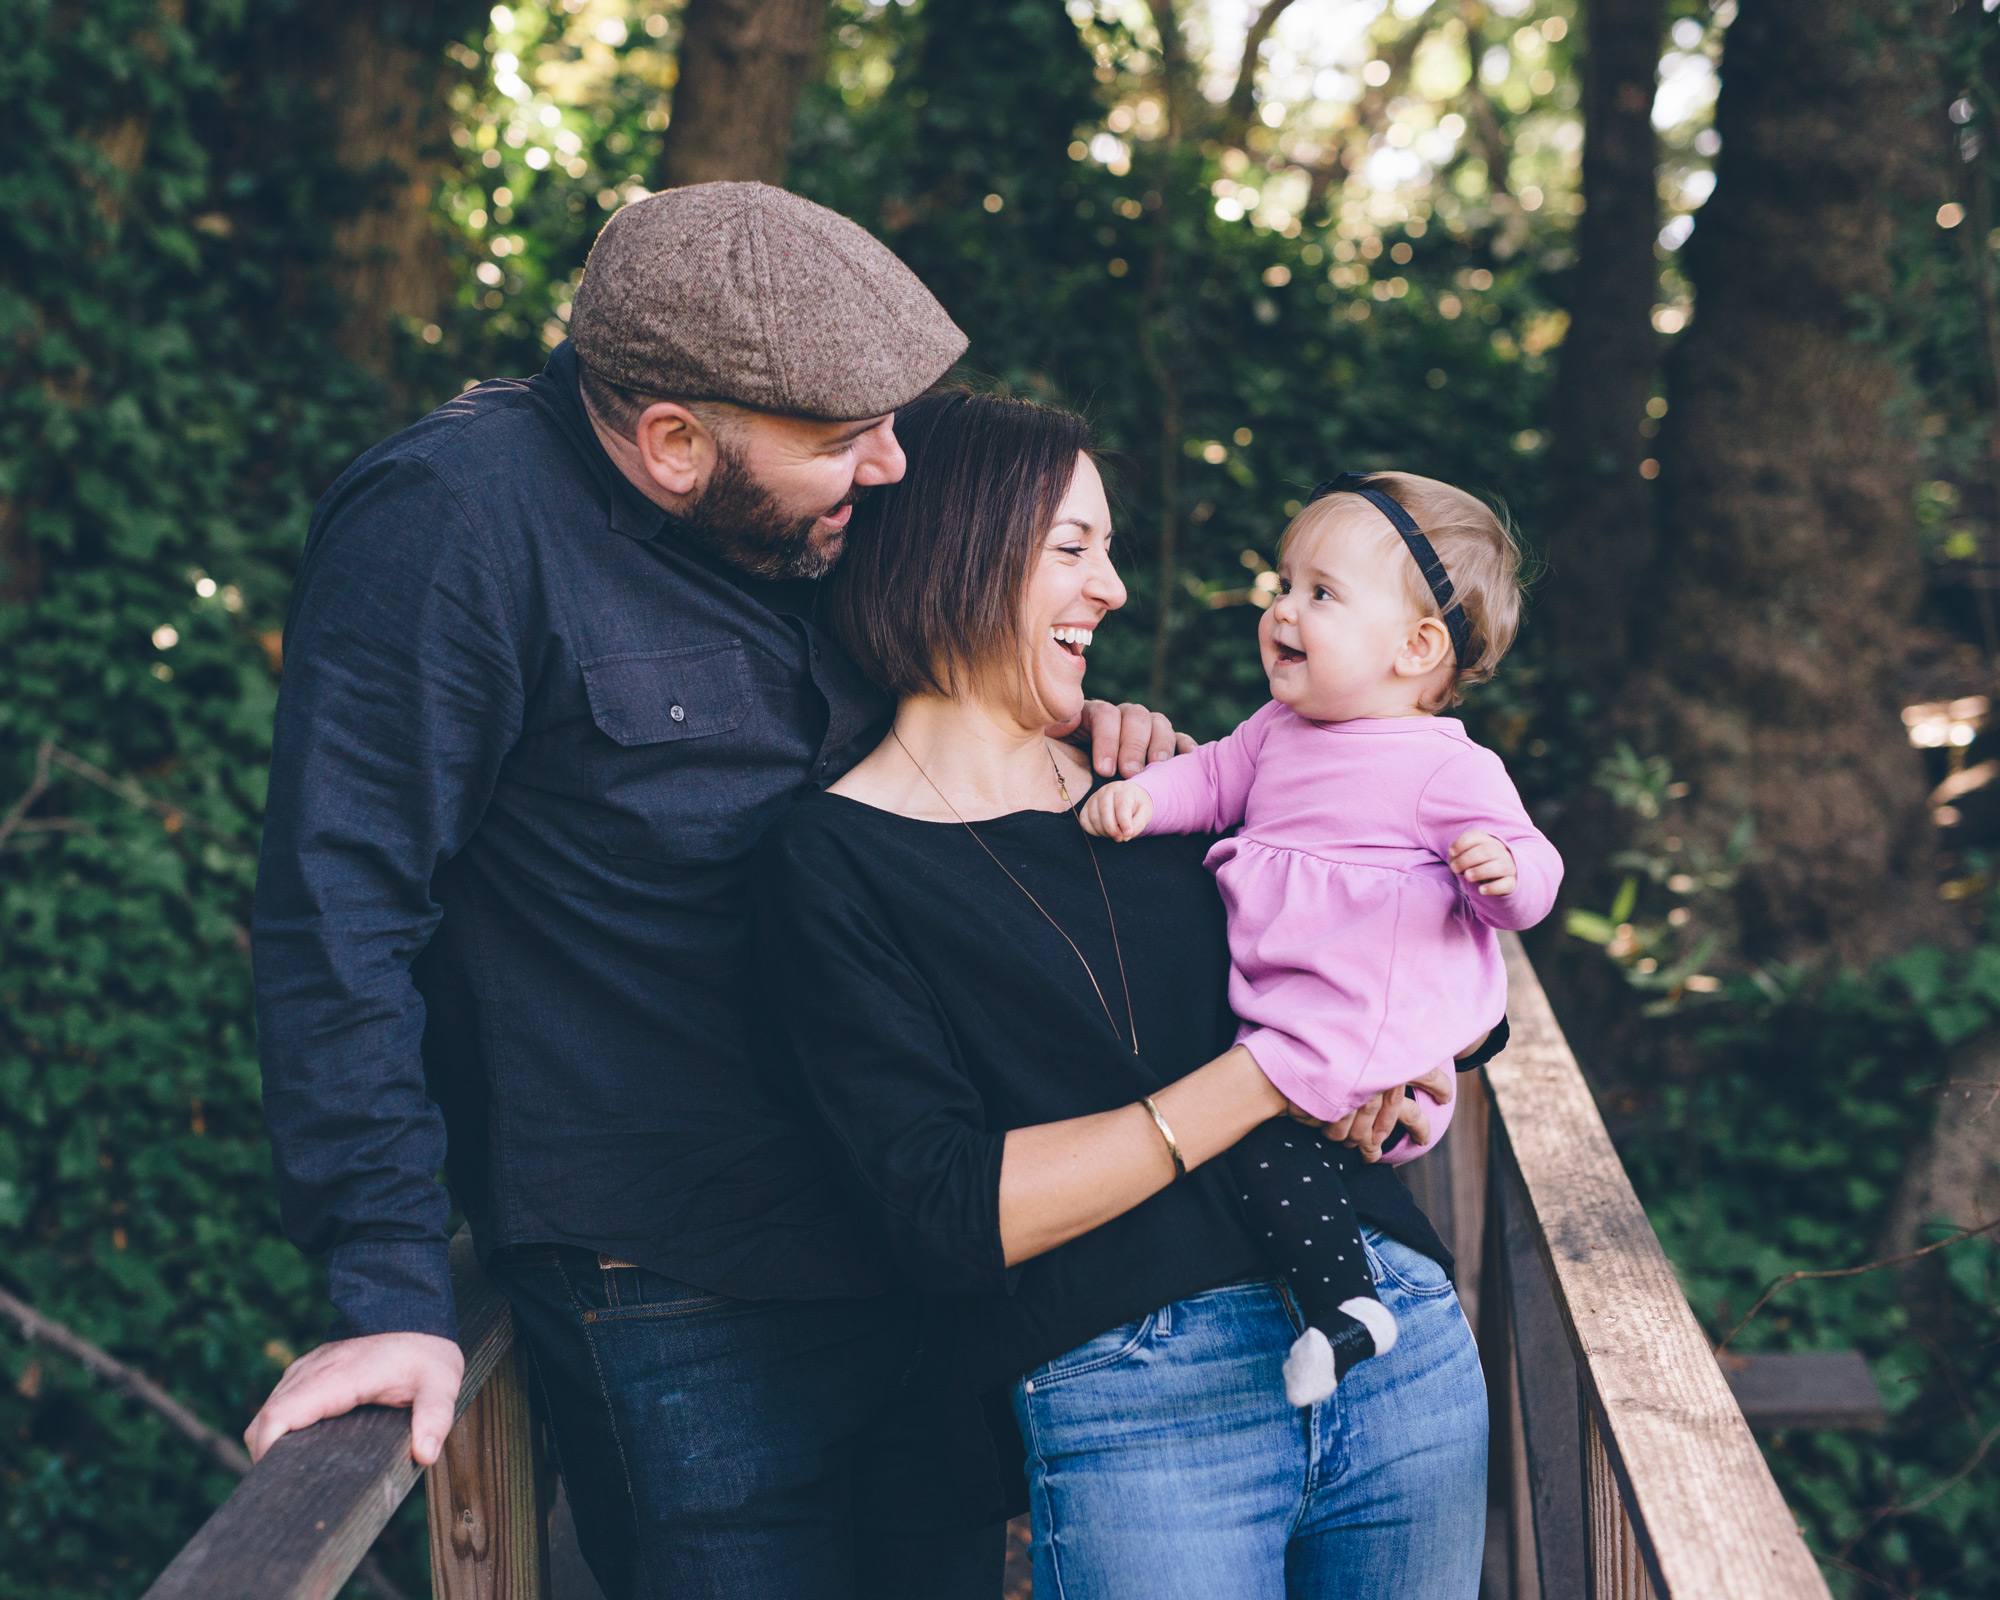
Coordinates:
(735, 1449)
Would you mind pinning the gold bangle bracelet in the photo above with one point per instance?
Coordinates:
(1166, 1133)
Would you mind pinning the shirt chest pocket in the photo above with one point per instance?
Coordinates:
(665, 778)
(663, 696)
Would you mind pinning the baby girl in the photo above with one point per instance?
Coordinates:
(1379, 848)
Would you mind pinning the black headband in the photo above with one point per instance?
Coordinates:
(1419, 547)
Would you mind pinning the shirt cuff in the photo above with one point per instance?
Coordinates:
(391, 1286)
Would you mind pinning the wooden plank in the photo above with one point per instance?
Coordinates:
(1449, 1186)
(1429, 1181)
(489, 1497)
(303, 1517)
(1467, 1167)
(1617, 1570)
(1709, 1520)
(1804, 1389)
(1508, 1569)
(1546, 1382)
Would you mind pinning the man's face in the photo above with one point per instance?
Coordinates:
(781, 491)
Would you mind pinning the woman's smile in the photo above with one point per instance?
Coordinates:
(1072, 589)
(1073, 637)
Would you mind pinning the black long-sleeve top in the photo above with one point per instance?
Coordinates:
(930, 1007)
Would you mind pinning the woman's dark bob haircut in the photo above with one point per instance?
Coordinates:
(928, 594)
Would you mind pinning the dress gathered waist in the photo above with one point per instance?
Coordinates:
(1385, 857)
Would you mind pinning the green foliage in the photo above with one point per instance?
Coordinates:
(1660, 928)
(173, 405)
(171, 307)
(1283, 376)
(1782, 1151)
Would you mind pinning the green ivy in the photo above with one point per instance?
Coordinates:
(176, 400)
(173, 404)
(1781, 1150)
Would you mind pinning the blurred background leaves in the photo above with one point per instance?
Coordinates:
(240, 240)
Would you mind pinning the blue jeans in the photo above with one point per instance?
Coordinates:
(1164, 1461)
(718, 1449)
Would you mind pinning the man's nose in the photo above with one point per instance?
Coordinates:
(878, 456)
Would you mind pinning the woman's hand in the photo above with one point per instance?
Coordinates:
(1369, 1127)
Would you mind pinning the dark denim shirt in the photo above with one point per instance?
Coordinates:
(526, 739)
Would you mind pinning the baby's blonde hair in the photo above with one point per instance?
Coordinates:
(1481, 555)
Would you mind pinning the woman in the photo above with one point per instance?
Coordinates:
(1020, 1043)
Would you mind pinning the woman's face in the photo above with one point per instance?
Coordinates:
(1069, 591)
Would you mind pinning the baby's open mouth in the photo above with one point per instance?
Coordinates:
(1287, 654)
(1074, 640)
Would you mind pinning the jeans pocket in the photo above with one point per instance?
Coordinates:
(1410, 1271)
(605, 1291)
(1094, 1355)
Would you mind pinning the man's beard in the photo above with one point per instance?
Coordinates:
(740, 521)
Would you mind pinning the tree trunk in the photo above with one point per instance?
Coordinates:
(743, 64)
(1790, 568)
(1603, 539)
(383, 81)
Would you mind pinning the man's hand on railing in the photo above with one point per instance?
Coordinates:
(418, 1370)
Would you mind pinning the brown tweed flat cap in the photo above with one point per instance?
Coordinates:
(743, 292)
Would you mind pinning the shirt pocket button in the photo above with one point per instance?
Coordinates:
(677, 713)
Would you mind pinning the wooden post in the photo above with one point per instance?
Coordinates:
(489, 1497)
(1449, 1186)
(1510, 1571)
(1546, 1373)
(1617, 1569)
(1706, 1514)
(1467, 1175)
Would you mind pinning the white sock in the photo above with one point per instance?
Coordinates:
(1309, 1369)
(1377, 1318)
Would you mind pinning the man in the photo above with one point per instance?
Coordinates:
(551, 667)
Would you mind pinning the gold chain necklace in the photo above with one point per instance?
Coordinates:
(1070, 807)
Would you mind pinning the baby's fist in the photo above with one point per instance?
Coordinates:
(1483, 861)
(1117, 811)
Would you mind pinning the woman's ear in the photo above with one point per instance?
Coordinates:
(1426, 648)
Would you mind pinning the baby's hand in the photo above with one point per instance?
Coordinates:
(1117, 811)
(1483, 860)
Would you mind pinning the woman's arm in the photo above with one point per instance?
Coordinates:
(960, 1204)
(1061, 1179)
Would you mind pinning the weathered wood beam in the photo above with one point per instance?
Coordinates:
(1804, 1389)
(489, 1498)
(1707, 1516)
(302, 1519)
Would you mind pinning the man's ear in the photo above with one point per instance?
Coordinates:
(1427, 648)
(676, 448)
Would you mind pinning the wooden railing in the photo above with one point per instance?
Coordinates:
(1623, 1468)
(1622, 1465)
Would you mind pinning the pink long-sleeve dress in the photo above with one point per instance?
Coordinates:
(1359, 960)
